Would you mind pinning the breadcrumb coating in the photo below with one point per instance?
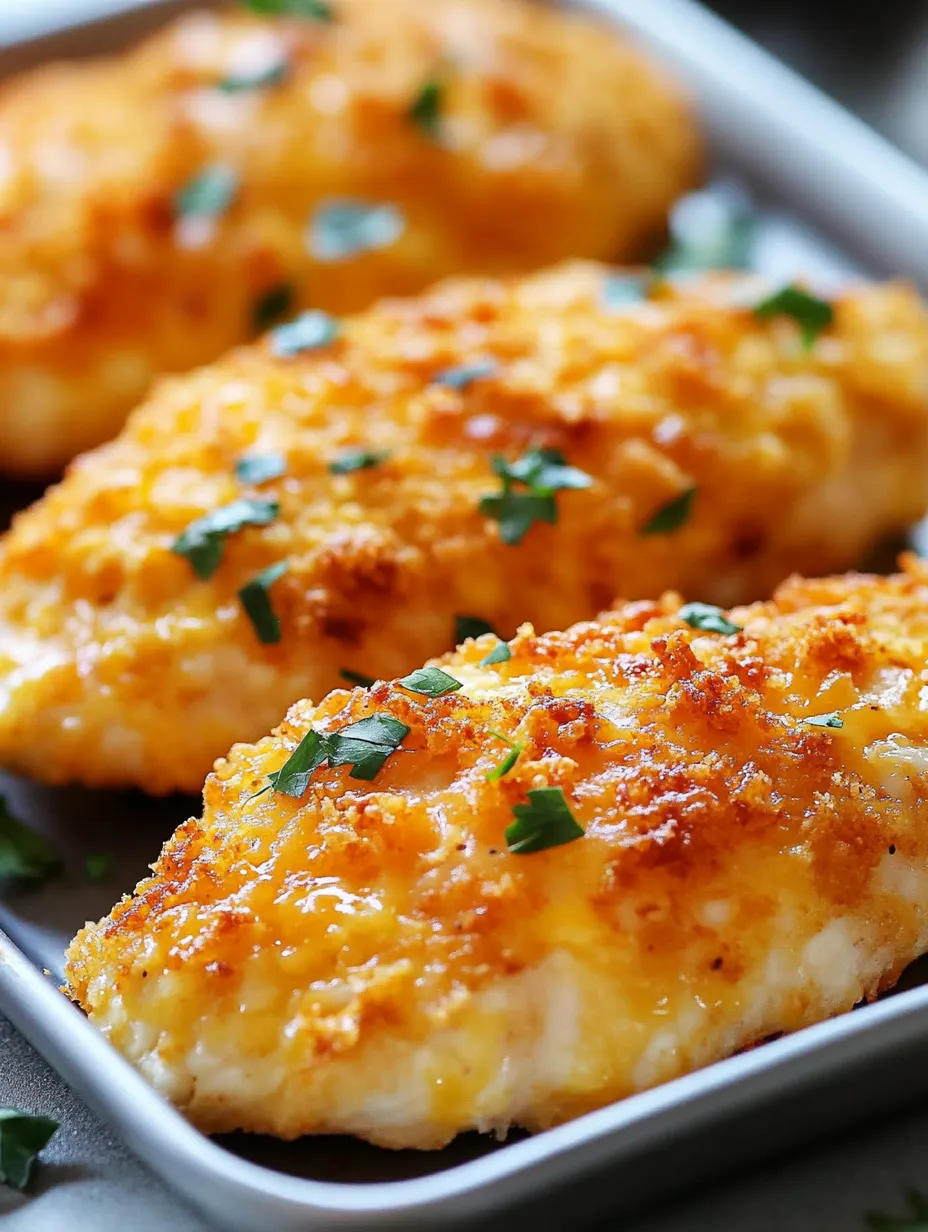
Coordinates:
(372, 959)
(118, 666)
(551, 137)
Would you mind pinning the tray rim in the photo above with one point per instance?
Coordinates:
(832, 168)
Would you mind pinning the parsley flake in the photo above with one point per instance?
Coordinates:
(810, 313)
(825, 720)
(314, 10)
(916, 1221)
(499, 654)
(24, 855)
(464, 375)
(543, 472)
(430, 682)
(98, 867)
(466, 627)
(260, 79)
(364, 745)
(208, 194)
(203, 541)
(258, 468)
(712, 229)
(340, 229)
(357, 460)
(621, 290)
(256, 601)
(425, 109)
(672, 516)
(307, 332)
(707, 617)
(272, 306)
(22, 1137)
(546, 821)
(515, 751)
(357, 678)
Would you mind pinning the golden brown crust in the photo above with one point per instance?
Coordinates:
(101, 288)
(743, 873)
(117, 666)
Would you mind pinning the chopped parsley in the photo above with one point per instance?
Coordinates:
(357, 678)
(430, 682)
(708, 618)
(620, 290)
(272, 306)
(425, 109)
(464, 375)
(208, 194)
(810, 313)
(98, 867)
(515, 751)
(915, 1221)
(357, 460)
(364, 745)
(315, 10)
(256, 600)
(825, 720)
(258, 468)
(712, 229)
(341, 229)
(22, 1137)
(546, 821)
(673, 515)
(470, 627)
(261, 79)
(203, 541)
(309, 331)
(24, 855)
(542, 472)
(499, 654)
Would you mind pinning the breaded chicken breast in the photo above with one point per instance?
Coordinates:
(578, 869)
(499, 451)
(162, 206)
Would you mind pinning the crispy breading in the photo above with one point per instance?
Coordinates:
(554, 138)
(372, 959)
(119, 667)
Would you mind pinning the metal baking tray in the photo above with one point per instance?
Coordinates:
(830, 199)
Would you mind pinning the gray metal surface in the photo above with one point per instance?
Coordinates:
(806, 159)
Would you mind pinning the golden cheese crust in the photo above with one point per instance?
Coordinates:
(556, 138)
(119, 667)
(372, 959)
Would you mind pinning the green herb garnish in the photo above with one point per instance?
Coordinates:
(499, 654)
(272, 306)
(98, 867)
(258, 468)
(708, 618)
(357, 460)
(710, 230)
(825, 720)
(916, 1221)
(207, 195)
(546, 821)
(261, 79)
(430, 682)
(309, 331)
(515, 751)
(542, 472)
(464, 375)
(672, 516)
(315, 10)
(22, 1136)
(811, 314)
(24, 855)
(203, 541)
(466, 627)
(364, 745)
(342, 229)
(620, 290)
(356, 677)
(256, 600)
(425, 109)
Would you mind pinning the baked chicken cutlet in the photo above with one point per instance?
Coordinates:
(351, 497)
(161, 206)
(539, 877)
